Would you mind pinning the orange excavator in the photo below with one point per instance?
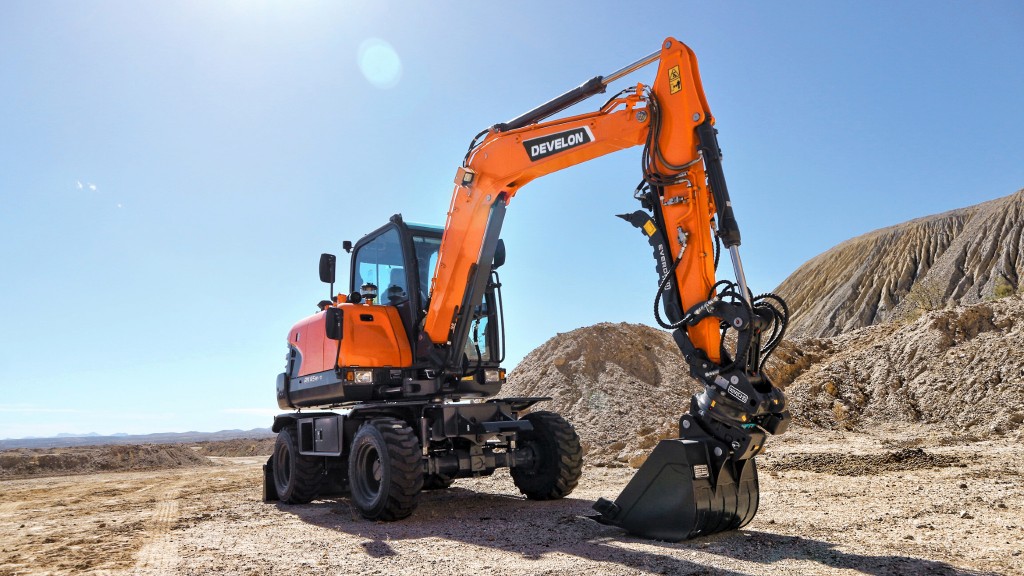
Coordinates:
(394, 386)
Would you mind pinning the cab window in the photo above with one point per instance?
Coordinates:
(477, 343)
(379, 262)
(426, 261)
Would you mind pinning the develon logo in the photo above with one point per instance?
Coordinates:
(538, 148)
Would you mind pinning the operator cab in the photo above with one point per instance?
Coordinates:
(394, 265)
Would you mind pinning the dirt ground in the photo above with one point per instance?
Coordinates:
(905, 501)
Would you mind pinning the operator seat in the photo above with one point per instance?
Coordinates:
(396, 290)
(397, 295)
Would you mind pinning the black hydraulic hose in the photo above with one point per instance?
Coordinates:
(661, 290)
(472, 145)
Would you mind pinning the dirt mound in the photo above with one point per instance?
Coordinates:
(839, 464)
(236, 448)
(88, 459)
(623, 386)
(958, 368)
(960, 257)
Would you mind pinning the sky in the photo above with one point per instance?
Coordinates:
(171, 171)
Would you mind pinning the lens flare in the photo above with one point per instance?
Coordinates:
(380, 63)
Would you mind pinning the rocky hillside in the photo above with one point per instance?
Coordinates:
(957, 369)
(958, 257)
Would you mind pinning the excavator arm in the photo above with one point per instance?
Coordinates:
(705, 481)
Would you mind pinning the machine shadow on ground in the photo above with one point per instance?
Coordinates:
(530, 530)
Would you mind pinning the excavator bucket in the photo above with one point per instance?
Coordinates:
(680, 492)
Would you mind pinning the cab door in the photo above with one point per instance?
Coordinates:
(382, 261)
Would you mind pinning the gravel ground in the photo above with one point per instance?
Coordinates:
(903, 501)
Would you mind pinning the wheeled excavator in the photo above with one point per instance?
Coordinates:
(393, 387)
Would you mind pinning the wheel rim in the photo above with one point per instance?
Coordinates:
(370, 472)
(283, 466)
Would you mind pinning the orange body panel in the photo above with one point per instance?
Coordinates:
(501, 166)
(373, 337)
(309, 337)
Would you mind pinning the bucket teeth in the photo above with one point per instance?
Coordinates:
(681, 492)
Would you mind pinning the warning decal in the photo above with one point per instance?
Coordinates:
(675, 81)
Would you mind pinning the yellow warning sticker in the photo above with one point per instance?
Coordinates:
(675, 81)
(649, 228)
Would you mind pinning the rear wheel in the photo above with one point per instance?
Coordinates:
(297, 478)
(557, 458)
(385, 469)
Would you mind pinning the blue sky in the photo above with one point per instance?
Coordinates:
(170, 172)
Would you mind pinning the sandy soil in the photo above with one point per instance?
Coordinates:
(902, 502)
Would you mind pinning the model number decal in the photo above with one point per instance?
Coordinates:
(700, 471)
(538, 148)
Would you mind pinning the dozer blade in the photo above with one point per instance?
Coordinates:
(680, 493)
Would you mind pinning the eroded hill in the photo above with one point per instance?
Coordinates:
(959, 257)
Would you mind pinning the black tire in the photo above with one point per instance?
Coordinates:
(558, 458)
(385, 469)
(297, 478)
(437, 482)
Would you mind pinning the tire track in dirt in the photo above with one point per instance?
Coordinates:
(159, 555)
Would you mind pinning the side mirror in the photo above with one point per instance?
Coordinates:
(347, 246)
(334, 323)
(327, 265)
(499, 255)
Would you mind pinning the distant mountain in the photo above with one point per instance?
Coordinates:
(964, 256)
(64, 440)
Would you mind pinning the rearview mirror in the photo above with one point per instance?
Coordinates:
(499, 255)
(327, 264)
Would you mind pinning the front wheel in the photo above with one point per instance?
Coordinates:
(385, 469)
(557, 458)
(297, 478)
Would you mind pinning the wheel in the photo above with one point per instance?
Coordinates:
(558, 458)
(385, 469)
(437, 482)
(297, 478)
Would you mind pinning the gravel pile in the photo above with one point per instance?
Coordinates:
(960, 368)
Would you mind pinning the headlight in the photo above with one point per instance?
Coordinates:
(362, 376)
(494, 376)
